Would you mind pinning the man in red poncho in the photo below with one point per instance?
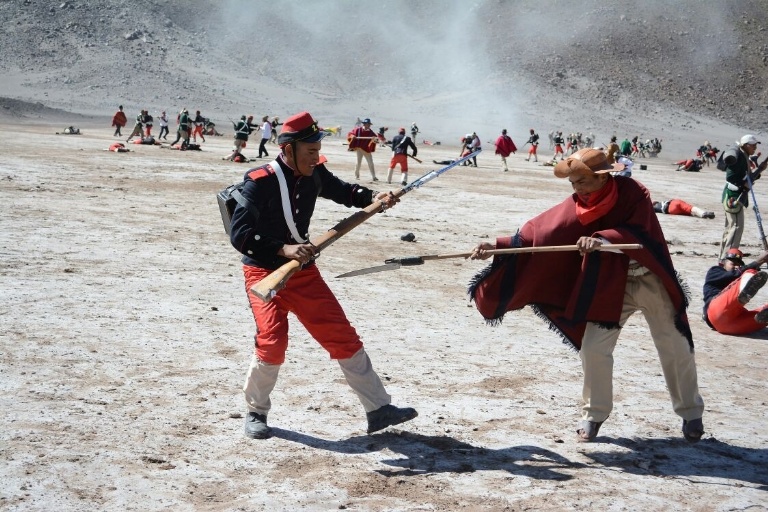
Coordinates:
(118, 121)
(587, 296)
(504, 147)
(363, 141)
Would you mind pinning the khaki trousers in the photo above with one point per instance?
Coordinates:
(137, 132)
(647, 294)
(734, 228)
(368, 159)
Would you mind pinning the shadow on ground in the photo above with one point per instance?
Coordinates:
(672, 457)
(443, 454)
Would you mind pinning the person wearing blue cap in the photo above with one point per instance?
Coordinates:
(272, 230)
(363, 141)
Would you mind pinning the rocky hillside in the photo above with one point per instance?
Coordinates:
(702, 57)
(454, 65)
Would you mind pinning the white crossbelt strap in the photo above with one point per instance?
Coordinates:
(286, 202)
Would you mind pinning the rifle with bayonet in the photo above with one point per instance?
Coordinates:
(268, 287)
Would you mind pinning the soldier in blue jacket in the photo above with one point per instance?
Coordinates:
(273, 231)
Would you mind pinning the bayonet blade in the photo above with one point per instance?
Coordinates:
(371, 270)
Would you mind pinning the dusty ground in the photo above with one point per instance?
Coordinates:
(125, 335)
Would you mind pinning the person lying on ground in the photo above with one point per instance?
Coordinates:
(728, 287)
(689, 165)
(680, 207)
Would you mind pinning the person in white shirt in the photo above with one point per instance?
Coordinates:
(266, 133)
(163, 126)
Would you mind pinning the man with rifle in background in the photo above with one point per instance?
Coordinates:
(533, 140)
(735, 161)
(400, 144)
(182, 132)
(243, 129)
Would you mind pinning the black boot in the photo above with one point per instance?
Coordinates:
(256, 426)
(389, 415)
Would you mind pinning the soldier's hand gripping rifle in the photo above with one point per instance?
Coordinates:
(268, 287)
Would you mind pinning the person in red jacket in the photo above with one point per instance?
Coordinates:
(118, 121)
(504, 147)
(588, 295)
(363, 141)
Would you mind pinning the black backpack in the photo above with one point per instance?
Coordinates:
(721, 159)
(720, 162)
(228, 200)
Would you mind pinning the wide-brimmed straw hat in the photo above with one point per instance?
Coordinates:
(586, 161)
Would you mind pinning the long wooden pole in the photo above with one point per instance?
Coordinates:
(541, 248)
(408, 261)
(268, 287)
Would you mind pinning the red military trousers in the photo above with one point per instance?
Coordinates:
(727, 315)
(307, 296)
(679, 207)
